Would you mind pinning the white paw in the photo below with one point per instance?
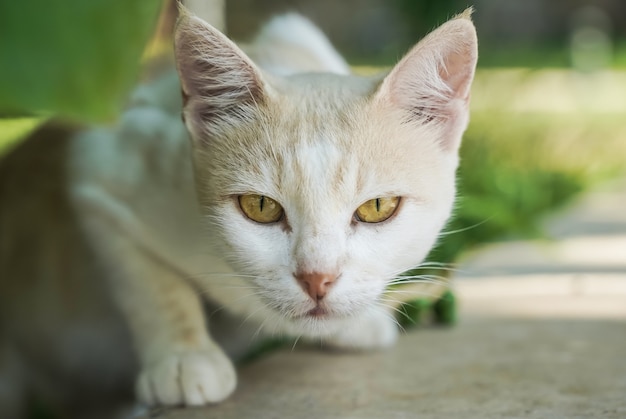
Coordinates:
(188, 378)
(375, 330)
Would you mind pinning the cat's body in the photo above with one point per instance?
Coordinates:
(108, 263)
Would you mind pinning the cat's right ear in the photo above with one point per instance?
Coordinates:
(220, 85)
(431, 84)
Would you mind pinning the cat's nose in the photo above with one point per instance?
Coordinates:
(316, 284)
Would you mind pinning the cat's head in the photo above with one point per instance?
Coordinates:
(322, 187)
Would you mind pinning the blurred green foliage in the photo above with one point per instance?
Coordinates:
(515, 166)
(515, 169)
(548, 54)
(76, 58)
(12, 130)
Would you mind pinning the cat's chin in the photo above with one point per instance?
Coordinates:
(316, 327)
(310, 320)
(317, 322)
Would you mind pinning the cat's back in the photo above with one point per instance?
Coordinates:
(47, 267)
(50, 288)
(34, 206)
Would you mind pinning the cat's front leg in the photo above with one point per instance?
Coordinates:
(374, 329)
(180, 364)
(187, 377)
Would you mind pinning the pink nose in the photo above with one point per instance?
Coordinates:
(316, 284)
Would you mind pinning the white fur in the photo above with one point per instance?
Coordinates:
(189, 378)
(319, 144)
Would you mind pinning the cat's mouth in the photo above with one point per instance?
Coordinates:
(317, 312)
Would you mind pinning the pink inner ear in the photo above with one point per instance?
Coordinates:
(431, 84)
(221, 85)
(436, 71)
(457, 73)
(210, 65)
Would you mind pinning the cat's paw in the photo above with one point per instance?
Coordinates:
(187, 378)
(375, 330)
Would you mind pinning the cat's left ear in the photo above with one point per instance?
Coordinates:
(431, 84)
(221, 86)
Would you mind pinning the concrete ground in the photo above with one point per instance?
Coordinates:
(542, 334)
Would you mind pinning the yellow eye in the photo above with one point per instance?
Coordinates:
(377, 210)
(260, 208)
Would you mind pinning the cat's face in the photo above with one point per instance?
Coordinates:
(318, 161)
(323, 188)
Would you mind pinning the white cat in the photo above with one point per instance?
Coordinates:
(316, 189)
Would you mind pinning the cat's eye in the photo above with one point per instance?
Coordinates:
(377, 210)
(261, 209)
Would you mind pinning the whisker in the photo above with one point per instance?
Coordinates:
(296, 342)
(434, 267)
(205, 291)
(436, 281)
(221, 307)
(417, 277)
(391, 304)
(395, 321)
(249, 316)
(447, 233)
(433, 264)
(257, 333)
(223, 276)
(411, 293)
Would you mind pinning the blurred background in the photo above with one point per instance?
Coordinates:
(548, 103)
(548, 123)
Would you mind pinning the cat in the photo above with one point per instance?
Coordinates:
(287, 201)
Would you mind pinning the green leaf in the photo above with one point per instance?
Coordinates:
(76, 58)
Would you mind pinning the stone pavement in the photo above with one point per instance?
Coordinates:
(542, 334)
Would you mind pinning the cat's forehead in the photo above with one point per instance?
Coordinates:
(335, 154)
(323, 137)
(318, 108)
